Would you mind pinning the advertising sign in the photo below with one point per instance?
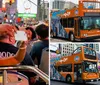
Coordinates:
(27, 6)
(26, 15)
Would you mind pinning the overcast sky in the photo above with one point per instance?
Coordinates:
(22, 4)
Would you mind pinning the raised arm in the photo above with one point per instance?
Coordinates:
(14, 60)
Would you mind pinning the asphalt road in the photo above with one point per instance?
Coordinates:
(66, 40)
(63, 83)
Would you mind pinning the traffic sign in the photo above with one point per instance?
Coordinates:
(26, 15)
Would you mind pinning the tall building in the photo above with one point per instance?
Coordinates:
(45, 10)
(67, 49)
(69, 5)
(58, 4)
(11, 9)
(62, 4)
(0, 3)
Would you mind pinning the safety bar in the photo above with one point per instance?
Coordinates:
(41, 74)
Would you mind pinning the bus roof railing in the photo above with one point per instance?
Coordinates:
(36, 70)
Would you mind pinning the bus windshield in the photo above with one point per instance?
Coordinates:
(90, 66)
(88, 23)
(89, 53)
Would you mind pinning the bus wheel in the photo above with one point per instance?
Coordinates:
(72, 37)
(52, 34)
(68, 79)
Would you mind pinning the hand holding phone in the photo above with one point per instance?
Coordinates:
(21, 36)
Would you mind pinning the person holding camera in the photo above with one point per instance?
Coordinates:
(7, 41)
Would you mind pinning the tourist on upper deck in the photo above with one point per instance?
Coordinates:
(90, 6)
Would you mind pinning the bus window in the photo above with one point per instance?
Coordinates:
(78, 50)
(89, 23)
(97, 23)
(70, 22)
(63, 22)
(60, 69)
(65, 68)
(90, 66)
(89, 53)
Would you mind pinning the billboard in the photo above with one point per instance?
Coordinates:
(27, 6)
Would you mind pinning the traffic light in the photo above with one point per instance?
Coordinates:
(10, 2)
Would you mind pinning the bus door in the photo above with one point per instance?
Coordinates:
(77, 72)
(76, 27)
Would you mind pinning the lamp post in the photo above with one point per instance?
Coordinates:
(39, 10)
(43, 14)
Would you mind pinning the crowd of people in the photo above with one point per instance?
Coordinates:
(13, 52)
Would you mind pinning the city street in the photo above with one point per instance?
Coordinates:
(66, 40)
(63, 83)
(58, 40)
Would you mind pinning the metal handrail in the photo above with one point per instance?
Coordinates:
(36, 70)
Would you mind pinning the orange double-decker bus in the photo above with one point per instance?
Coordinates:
(80, 22)
(81, 66)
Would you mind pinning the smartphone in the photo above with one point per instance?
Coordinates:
(21, 36)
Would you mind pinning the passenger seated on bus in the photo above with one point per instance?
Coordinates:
(90, 6)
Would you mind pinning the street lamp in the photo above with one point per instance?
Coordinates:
(38, 8)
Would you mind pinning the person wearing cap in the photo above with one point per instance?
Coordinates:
(90, 6)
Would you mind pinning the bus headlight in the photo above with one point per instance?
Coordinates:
(85, 35)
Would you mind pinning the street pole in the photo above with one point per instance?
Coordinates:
(43, 8)
(39, 10)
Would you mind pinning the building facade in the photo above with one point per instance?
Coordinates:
(0, 3)
(62, 4)
(45, 7)
(58, 4)
(67, 49)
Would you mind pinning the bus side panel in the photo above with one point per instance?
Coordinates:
(55, 75)
(56, 26)
(58, 29)
(64, 74)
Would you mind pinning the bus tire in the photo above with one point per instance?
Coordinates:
(51, 34)
(68, 79)
(71, 37)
